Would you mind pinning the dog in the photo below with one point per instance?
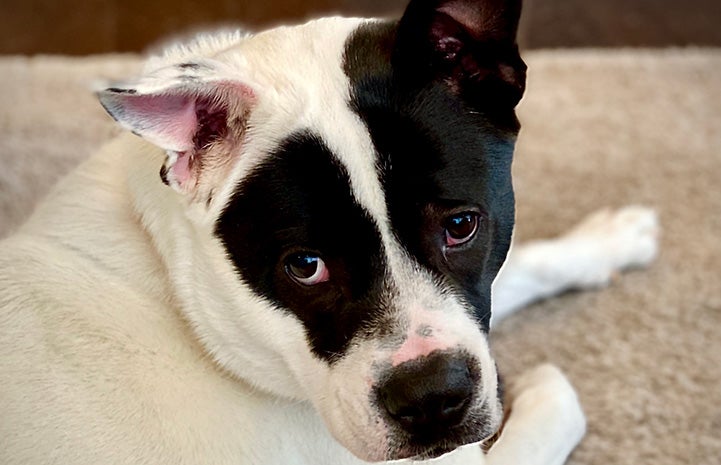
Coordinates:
(294, 257)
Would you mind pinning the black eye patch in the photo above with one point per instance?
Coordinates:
(300, 200)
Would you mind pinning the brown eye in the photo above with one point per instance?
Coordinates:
(460, 228)
(307, 269)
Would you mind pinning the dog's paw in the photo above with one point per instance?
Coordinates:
(620, 239)
(545, 395)
(538, 384)
(545, 423)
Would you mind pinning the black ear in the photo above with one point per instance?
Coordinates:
(469, 44)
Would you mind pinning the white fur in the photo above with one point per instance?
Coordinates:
(127, 336)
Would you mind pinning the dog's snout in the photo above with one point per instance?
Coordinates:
(428, 395)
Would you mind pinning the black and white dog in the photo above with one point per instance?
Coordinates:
(293, 263)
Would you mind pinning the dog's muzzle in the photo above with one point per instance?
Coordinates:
(434, 404)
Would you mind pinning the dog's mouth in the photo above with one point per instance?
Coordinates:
(420, 452)
(427, 454)
(425, 448)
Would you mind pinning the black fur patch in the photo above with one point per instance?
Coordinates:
(164, 174)
(118, 90)
(300, 200)
(193, 66)
(438, 155)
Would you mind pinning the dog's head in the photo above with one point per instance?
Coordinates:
(349, 184)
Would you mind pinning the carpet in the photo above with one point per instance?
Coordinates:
(600, 128)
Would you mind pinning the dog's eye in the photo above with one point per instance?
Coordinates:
(307, 269)
(460, 228)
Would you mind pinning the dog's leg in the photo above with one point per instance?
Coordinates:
(604, 243)
(545, 423)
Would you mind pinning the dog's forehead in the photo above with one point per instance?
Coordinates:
(312, 93)
(302, 87)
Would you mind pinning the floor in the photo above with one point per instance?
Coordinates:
(79, 27)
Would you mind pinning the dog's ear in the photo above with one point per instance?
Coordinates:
(195, 115)
(469, 44)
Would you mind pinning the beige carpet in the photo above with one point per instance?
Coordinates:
(600, 128)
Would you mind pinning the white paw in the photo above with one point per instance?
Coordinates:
(621, 239)
(544, 398)
(539, 383)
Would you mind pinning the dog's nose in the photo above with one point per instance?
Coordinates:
(428, 395)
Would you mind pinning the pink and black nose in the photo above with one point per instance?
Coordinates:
(428, 395)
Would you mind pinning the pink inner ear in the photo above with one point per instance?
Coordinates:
(183, 121)
(166, 120)
(181, 168)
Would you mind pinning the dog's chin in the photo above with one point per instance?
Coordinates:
(410, 451)
(427, 451)
(420, 453)
(419, 449)
(433, 453)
